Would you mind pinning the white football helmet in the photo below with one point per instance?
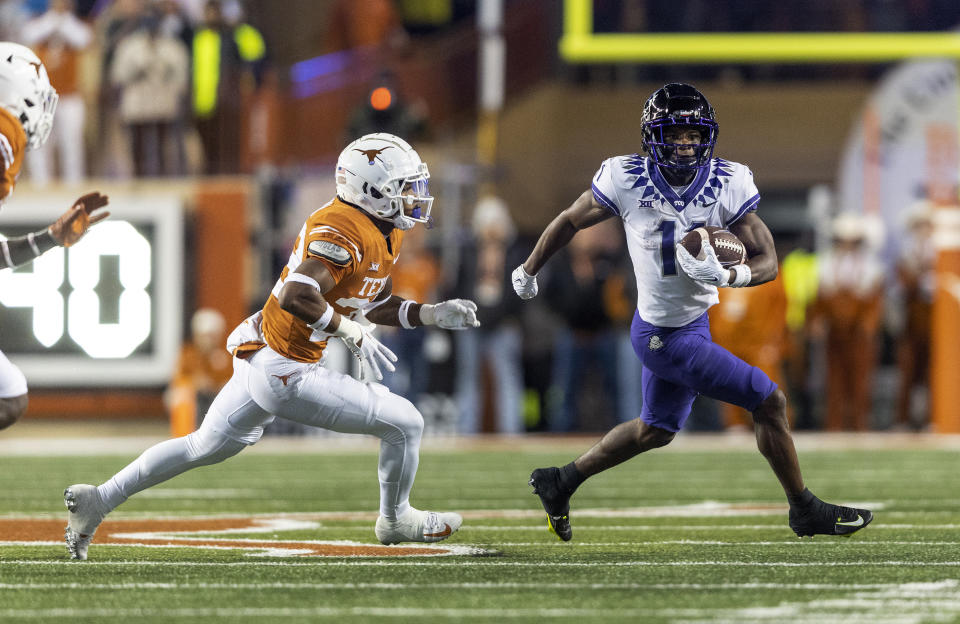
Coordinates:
(384, 176)
(25, 91)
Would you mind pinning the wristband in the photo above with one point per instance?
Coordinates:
(404, 312)
(321, 323)
(743, 276)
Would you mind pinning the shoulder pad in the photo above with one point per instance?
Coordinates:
(330, 251)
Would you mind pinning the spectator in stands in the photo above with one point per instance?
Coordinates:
(917, 272)
(121, 19)
(204, 366)
(587, 344)
(494, 348)
(217, 94)
(249, 41)
(151, 70)
(59, 38)
(846, 315)
(751, 323)
(798, 272)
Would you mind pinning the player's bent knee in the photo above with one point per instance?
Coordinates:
(773, 408)
(11, 409)
(401, 415)
(654, 437)
(209, 446)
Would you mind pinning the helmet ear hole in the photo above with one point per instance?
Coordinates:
(375, 193)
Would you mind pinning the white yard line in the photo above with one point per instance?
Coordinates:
(475, 585)
(841, 611)
(910, 603)
(345, 562)
(806, 543)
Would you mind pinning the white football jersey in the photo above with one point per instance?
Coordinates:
(655, 218)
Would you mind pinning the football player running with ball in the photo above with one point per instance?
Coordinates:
(337, 279)
(27, 106)
(677, 187)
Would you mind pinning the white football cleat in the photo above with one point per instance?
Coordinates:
(418, 526)
(85, 516)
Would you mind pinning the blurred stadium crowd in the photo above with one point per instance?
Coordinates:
(176, 87)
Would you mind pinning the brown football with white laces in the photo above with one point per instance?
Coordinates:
(730, 249)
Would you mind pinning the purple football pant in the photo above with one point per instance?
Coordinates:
(681, 362)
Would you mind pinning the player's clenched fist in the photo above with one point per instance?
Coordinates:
(524, 284)
(74, 223)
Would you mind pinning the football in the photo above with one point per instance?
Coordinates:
(729, 248)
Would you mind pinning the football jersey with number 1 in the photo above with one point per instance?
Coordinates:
(655, 217)
(358, 257)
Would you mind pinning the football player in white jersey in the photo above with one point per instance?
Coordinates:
(677, 187)
(27, 105)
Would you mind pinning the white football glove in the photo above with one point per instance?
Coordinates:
(370, 351)
(524, 284)
(452, 314)
(708, 270)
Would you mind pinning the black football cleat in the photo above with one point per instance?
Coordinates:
(820, 518)
(546, 485)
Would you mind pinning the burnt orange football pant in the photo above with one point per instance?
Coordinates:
(850, 366)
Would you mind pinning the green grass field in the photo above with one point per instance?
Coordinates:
(683, 534)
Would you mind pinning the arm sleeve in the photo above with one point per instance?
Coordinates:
(744, 196)
(604, 187)
(336, 248)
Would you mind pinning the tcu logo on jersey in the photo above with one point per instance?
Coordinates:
(372, 286)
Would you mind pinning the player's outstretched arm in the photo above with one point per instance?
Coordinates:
(583, 213)
(22, 249)
(455, 314)
(761, 252)
(66, 231)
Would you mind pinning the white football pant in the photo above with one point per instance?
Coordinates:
(268, 384)
(12, 381)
